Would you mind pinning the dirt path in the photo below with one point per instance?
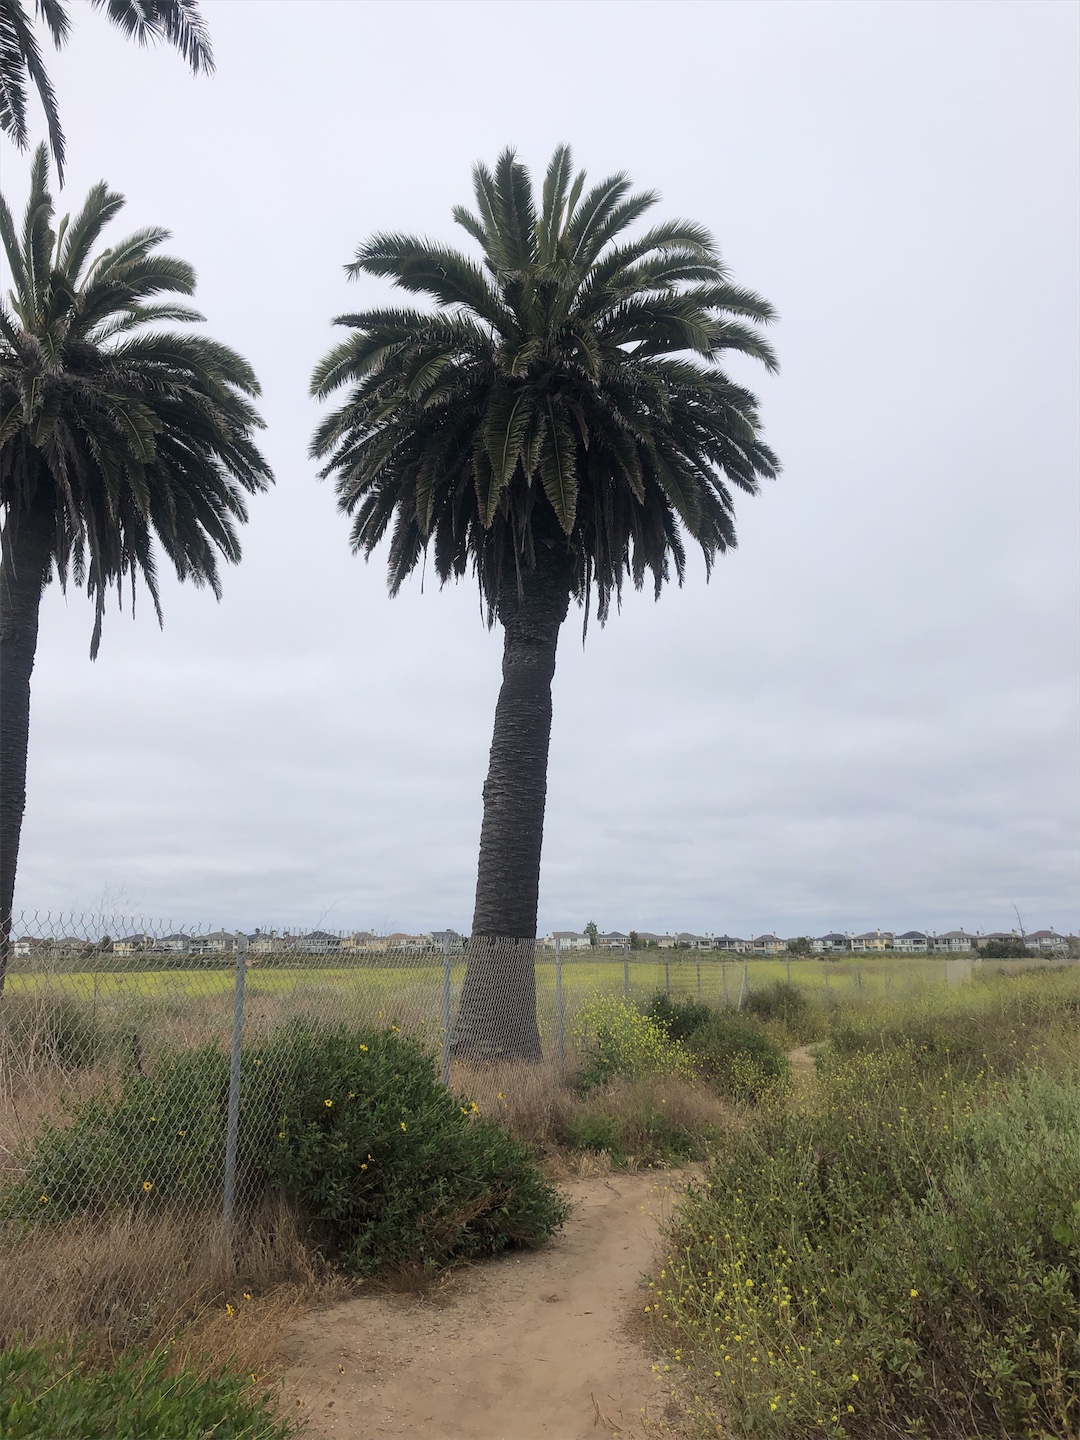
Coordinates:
(527, 1347)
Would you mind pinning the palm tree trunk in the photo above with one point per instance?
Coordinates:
(497, 1015)
(24, 568)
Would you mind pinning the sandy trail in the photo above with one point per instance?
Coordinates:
(526, 1347)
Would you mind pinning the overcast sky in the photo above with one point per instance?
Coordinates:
(867, 718)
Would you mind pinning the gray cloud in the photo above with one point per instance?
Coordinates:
(868, 717)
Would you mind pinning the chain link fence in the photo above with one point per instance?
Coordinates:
(139, 1063)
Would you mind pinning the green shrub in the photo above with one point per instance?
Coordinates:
(736, 1055)
(353, 1125)
(679, 1018)
(619, 1040)
(901, 1258)
(1013, 949)
(398, 1171)
(55, 1393)
(781, 1001)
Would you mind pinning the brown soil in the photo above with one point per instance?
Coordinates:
(533, 1346)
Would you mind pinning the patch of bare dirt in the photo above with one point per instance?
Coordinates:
(527, 1347)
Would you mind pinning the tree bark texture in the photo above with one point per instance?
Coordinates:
(497, 1014)
(24, 569)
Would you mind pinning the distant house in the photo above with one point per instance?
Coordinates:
(911, 942)
(693, 942)
(399, 940)
(320, 942)
(825, 944)
(767, 945)
(613, 940)
(132, 944)
(365, 940)
(568, 940)
(176, 944)
(730, 942)
(871, 942)
(27, 945)
(217, 942)
(953, 942)
(451, 938)
(1046, 940)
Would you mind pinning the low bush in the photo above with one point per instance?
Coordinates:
(679, 1018)
(351, 1125)
(738, 1057)
(645, 1122)
(901, 1257)
(619, 1040)
(781, 1002)
(396, 1169)
(55, 1392)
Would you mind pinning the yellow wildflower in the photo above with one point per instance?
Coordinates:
(328, 1103)
(403, 1124)
(148, 1185)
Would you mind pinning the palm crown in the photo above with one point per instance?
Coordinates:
(562, 395)
(113, 430)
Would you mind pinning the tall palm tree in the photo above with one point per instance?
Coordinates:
(558, 423)
(21, 64)
(114, 431)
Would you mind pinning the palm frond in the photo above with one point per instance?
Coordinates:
(177, 21)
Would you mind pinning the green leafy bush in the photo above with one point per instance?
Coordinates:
(679, 1018)
(397, 1170)
(55, 1393)
(737, 1056)
(353, 1125)
(619, 1040)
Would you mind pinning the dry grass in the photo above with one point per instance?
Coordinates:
(545, 1109)
(125, 1281)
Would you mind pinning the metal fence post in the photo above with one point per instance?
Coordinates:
(697, 961)
(558, 1004)
(446, 1011)
(232, 1127)
(858, 983)
(667, 975)
(744, 988)
(789, 967)
(626, 973)
(723, 982)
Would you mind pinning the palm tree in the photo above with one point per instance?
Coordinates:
(177, 21)
(111, 434)
(557, 423)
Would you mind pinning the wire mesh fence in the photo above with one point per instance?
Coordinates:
(143, 1066)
